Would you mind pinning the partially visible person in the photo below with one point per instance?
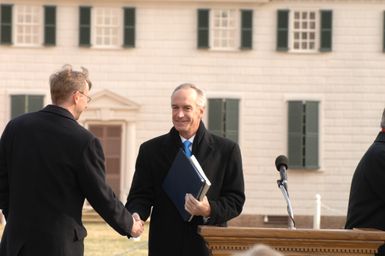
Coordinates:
(366, 207)
(49, 165)
(260, 250)
(221, 160)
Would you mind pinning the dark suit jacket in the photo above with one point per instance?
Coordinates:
(367, 194)
(220, 159)
(48, 165)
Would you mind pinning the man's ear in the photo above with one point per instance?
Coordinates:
(76, 97)
(202, 111)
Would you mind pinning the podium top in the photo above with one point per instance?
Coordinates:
(332, 234)
(224, 241)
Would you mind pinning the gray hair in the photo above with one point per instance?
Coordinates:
(201, 99)
(383, 120)
(260, 250)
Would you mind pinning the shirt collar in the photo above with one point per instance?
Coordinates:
(184, 139)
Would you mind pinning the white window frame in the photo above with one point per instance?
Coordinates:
(293, 30)
(235, 28)
(96, 26)
(20, 13)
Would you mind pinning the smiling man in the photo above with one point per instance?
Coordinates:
(221, 160)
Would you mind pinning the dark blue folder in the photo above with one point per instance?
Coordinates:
(182, 178)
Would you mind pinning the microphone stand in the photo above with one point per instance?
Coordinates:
(282, 187)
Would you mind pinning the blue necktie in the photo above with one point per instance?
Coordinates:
(186, 145)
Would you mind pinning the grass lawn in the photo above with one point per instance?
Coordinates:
(102, 240)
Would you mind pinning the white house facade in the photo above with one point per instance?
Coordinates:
(303, 78)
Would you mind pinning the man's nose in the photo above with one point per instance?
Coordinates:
(180, 113)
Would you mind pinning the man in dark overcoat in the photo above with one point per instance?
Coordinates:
(49, 165)
(221, 161)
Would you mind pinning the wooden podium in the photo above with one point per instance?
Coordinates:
(225, 241)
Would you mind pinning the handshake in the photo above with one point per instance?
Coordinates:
(137, 226)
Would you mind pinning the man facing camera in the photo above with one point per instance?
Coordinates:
(221, 161)
(49, 165)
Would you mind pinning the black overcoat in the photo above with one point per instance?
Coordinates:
(49, 164)
(367, 193)
(220, 159)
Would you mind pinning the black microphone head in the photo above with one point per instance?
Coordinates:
(281, 161)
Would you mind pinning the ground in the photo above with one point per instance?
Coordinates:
(104, 241)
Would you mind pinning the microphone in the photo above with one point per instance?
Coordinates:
(281, 165)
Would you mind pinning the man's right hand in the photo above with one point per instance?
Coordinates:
(137, 226)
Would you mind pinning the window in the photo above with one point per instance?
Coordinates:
(107, 27)
(223, 117)
(304, 31)
(224, 29)
(26, 25)
(21, 104)
(106, 30)
(303, 134)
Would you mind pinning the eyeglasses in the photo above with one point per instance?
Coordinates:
(88, 97)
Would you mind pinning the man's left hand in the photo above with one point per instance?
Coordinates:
(197, 208)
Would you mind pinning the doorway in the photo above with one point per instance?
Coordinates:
(111, 138)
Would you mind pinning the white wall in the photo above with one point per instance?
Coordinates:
(349, 82)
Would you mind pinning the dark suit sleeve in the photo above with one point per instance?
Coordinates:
(140, 198)
(232, 196)
(98, 193)
(4, 186)
(374, 171)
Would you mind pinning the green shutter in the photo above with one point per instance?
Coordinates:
(203, 28)
(295, 136)
(85, 26)
(215, 117)
(283, 30)
(246, 29)
(49, 25)
(383, 35)
(129, 27)
(18, 106)
(34, 103)
(6, 24)
(326, 31)
(232, 119)
(311, 135)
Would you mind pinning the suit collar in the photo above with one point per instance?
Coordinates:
(54, 109)
(380, 137)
